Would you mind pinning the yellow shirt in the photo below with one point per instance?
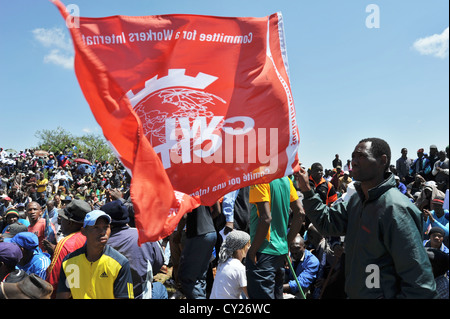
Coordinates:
(108, 277)
(279, 193)
(42, 185)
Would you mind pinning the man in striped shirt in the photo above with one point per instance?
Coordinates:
(72, 217)
(34, 261)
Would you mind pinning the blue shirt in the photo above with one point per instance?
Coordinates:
(228, 205)
(38, 264)
(145, 260)
(440, 222)
(402, 188)
(307, 270)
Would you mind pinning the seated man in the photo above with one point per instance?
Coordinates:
(305, 264)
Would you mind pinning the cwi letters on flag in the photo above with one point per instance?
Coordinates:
(194, 106)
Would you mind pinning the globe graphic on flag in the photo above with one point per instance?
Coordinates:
(174, 103)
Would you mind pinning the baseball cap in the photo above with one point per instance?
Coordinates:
(10, 254)
(438, 200)
(91, 218)
(13, 229)
(75, 211)
(26, 240)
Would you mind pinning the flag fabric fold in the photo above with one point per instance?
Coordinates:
(194, 106)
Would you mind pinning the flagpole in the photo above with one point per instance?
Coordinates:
(295, 276)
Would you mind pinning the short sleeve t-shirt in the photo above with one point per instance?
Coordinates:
(108, 277)
(42, 185)
(39, 230)
(229, 281)
(279, 193)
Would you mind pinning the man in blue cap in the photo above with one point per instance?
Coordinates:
(96, 270)
(34, 261)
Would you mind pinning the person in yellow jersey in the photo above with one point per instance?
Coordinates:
(271, 234)
(41, 183)
(96, 270)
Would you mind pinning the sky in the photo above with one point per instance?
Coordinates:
(358, 69)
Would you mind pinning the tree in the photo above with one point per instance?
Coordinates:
(93, 146)
(54, 140)
(96, 148)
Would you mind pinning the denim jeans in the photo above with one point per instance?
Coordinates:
(194, 264)
(265, 279)
(159, 291)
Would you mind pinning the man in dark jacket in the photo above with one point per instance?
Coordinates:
(382, 228)
(145, 260)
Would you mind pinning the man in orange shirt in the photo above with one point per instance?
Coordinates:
(72, 217)
(38, 224)
(325, 189)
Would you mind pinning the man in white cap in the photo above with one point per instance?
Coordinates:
(96, 270)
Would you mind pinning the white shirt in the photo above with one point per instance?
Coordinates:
(229, 280)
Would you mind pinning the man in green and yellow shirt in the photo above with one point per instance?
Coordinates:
(271, 234)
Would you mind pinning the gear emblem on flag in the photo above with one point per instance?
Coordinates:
(183, 93)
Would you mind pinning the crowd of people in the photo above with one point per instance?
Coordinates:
(60, 214)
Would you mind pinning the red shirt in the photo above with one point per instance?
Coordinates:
(39, 230)
(64, 247)
(327, 193)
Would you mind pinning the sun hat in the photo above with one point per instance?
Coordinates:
(75, 211)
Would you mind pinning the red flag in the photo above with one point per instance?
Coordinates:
(195, 106)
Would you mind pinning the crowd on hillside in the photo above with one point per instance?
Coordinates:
(50, 202)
